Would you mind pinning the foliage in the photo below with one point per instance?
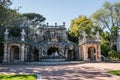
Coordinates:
(113, 55)
(115, 72)
(105, 49)
(34, 18)
(5, 3)
(72, 38)
(82, 23)
(17, 77)
(108, 18)
(105, 39)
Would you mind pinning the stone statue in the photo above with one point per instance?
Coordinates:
(23, 35)
(98, 35)
(84, 36)
(56, 54)
(6, 33)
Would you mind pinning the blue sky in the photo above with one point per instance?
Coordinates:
(60, 10)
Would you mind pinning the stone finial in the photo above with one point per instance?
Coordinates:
(23, 35)
(47, 23)
(84, 36)
(6, 33)
(55, 24)
(98, 35)
(64, 23)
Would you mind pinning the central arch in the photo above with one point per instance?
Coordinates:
(52, 51)
(36, 55)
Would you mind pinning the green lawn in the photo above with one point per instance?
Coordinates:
(115, 72)
(17, 77)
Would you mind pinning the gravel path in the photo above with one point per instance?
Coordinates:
(87, 71)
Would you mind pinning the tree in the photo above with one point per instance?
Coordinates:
(4, 7)
(80, 24)
(5, 3)
(34, 18)
(108, 18)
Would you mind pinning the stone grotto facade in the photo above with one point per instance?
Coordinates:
(48, 43)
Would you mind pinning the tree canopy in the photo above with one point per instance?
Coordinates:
(34, 18)
(77, 25)
(108, 18)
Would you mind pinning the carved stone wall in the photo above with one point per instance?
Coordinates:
(38, 45)
(89, 48)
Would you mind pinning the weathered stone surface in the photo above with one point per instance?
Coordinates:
(46, 42)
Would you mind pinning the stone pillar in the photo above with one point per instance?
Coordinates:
(22, 52)
(66, 54)
(26, 53)
(85, 53)
(80, 52)
(96, 53)
(9, 53)
(99, 53)
(5, 53)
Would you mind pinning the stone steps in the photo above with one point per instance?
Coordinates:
(52, 60)
(54, 63)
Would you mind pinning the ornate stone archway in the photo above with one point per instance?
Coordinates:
(14, 52)
(90, 52)
(89, 49)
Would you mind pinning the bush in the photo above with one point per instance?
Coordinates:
(105, 49)
(113, 55)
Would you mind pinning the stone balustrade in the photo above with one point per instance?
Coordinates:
(14, 39)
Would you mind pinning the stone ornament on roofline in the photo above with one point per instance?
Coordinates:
(84, 36)
(97, 36)
(23, 35)
(6, 33)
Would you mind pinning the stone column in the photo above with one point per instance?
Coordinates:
(5, 53)
(66, 54)
(22, 52)
(26, 53)
(85, 53)
(99, 53)
(9, 53)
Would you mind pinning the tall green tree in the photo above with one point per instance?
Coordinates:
(5, 3)
(108, 18)
(35, 18)
(4, 7)
(80, 24)
(4, 11)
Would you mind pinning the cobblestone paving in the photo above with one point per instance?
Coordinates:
(87, 71)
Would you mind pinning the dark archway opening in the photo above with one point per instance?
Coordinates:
(15, 53)
(36, 55)
(91, 53)
(70, 55)
(52, 50)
